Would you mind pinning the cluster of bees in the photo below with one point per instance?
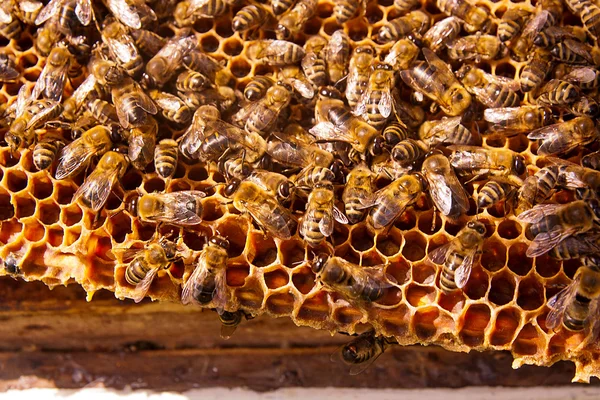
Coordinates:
(409, 110)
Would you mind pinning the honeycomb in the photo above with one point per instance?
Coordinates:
(502, 307)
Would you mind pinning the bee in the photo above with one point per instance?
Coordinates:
(555, 34)
(591, 160)
(312, 175)
(584, 106)
(275, 184)
(359, 73)
(361, 352)
(406, 5)
(565, 136)
(584, 77)
(207, 283)
(345, 10)
(191, 139)
(535, 71)
(172, 107)
(191, 80)
(64, 9)
(165, 158)
(435, 80)
(511, 23)
(235, 167)
(188, 11)
(134, 14)
(122, 48)
(576, 306)
(257, 87)
(293, 21)
(491, 90)
(276, 52)
(359, 187)
(248, 197)
(336, 123)
(96, 188)
(521, 46)
(376, 102)
(182, 208)
(10, 27)
(73, 104)
(223, 97)
(480, 162)
(77, 155)
(413, 23)
(102, 111)
(445, 131)
(573, 52)
(474, 17)
(8, 69)
(250, 17)
(477, 48)
(318, 221)
(574, 176)
(145, 264)
(576, 246)
(526, 195)
(409, 114)
(402, 54)
(298, 152)
(147, 41)
(337, 54)
(313, 64)
(29, 115)
(394, 133)
(51, 82)
(554, 9)
(47, 36)
(200, 62)
(260, 116)
(589, 13)
(45, 152)
(408, 151)
(356, 283)
(441, 33)
(142, 143)
(458, 256)
(281, 6)
(293, 76)
(389, 203)
(552, 223)
(494, 191)
(11, 264)
(447, 193)
(163, 66)
(516, 119)
(558, 92)
(132, 103)
(230, 322)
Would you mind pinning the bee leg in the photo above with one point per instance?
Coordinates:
(433, 220)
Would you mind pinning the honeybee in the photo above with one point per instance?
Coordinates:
(526, 195)
(248, 197)
(235, 167)
(447, 193)
(318, 221)
(552, 223)
(260, 116)
(8, 69)
(345, 10)
(257, 87)
(51, 82)
(276, 184)
(336, 123)
(142, 143)
(446, 131)
(132, 103)
(96, 188)
(77, 154)
(491, 90)
(394, 133)
(188, 11)
(511, 23)
(564, 136)
(494, 191)
(311, 175)
(584, 77)
(588, 11)
(299, 152)
(574, 176)
(293, 21)
(294, 77)
(230, 322)
(162, 67)
(480, 162)
(165, 158)
(178, 208)
(207, 283)
(10, 26)
(29, 115)
(389, 203)
(407, 151)
(207, 66)
(409, 114)
(584, 106)
(516, 119)
(191, 139)
(191, 80)
(441, 33)
(558, 92)
(413, 23)
(122, 48)
(132, 13)
(361, 352)
(356, 283)
(521, 46)
(11, 263)
(573, 52)
(102, 111)
(45, 152)
(313, 64)
(276, 52)
(435, 80)
(555, 34)
(145, 264)
(475, 17)
(476, 47)
(359, 73)
(222, 97)
(250, 17)
(576, 306)
(82, 8)
(401, 55)
(147, 41)
(591, 160)
(47, 36)
(73, 104)
(337, 54)
(172, 107)
(458, 256)
(376, 102)
(359, 187)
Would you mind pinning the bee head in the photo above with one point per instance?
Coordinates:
(282, 32)
(285, 189)
(170, 249)
(591, 261)
(519, 166)
(11, 264)
(220, 241)
(319, 262)
(231, 187)
(330, 92)
(378, 145)
(131, 204)
(477, 227)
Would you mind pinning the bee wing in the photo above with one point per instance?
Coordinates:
(443, 128)
(197, 277)
(5, 12)
(227, 331)
(169, 102)
(97, 187)
(461, 276)
(72, 157)
(552, 140)
(581, 75)
(328, 132)
(122, 48)
(385, 103)
(434, 60)
(126, 254)
(145, 101)
(273, 222)
(125, 12)
(498, 115)
(446, 191)
(287, 153)
(538, 212)
(438, 256)
(41, 115)
(326, 224)
(536, 24)
(361, 107)
(22, 101)
(580, 49)
(503, 81)
(559, 302)
(141, 146)
(219, 300)
(276, 48)
(339, 216)
(176, 209)
(51, 80)
(141, 289)
(51, 9)
(304, 88)
(545, 241)
(194, 6)
(84, 11)
(81, 93)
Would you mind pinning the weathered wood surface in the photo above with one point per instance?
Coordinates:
(55, 338)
